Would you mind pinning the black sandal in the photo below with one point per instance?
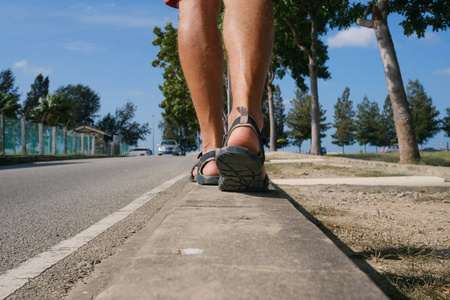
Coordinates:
(201, 178)
(240, 169)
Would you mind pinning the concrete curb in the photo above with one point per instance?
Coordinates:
(217, 245)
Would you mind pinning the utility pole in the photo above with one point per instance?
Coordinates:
(153, 132)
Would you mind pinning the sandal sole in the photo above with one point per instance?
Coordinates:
(207, 180)
(240, 170)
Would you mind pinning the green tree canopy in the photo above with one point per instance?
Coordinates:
(446, 123)
(298, 119)
(38, 89)
(423, 112)
(279, 115)
(421, 14)
(301, 23)
(8, 105)
(8, 85)
(386, 131)
(344, 121)
(52, 110)
(122, 124)
(84, 104)
(367, 123)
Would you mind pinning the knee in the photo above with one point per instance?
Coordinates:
(198, 20)
(199, 11)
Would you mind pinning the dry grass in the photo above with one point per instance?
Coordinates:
(417, 272)
(402, 233)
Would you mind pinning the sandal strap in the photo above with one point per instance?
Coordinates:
(204, 158)
(245, 120)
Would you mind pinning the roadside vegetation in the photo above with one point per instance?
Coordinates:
(68, 106)
(398, 235)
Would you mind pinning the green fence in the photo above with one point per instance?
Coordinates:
(13, 136)
(22, 137)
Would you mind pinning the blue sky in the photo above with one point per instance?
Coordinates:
(107, 46)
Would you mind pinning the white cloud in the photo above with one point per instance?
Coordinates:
(432, 37)
(287, 101)
(83, 47)
(137, 93)
(429, 38)
(442, 72)
(353, 37)
(23, 64)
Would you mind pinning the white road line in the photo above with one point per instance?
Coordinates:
(15, 278)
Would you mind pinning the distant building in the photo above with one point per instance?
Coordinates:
(100, 146)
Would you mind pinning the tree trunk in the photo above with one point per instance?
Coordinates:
(316, 149)
(273, 141)
(408, 148)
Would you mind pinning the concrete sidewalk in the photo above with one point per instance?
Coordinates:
(217, 245)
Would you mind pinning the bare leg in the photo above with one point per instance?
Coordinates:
(248, 37)
(201, 57)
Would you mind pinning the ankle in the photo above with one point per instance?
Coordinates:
(244, 137)
(256, 115)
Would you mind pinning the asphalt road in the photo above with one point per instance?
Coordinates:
(42, 204)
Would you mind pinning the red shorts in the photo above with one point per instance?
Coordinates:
(172, 3)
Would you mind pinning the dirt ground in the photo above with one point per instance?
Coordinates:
(403, 233)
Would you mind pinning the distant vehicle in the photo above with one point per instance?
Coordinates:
(140, 152)
(389, 149)
(429, 149)
(169, 147)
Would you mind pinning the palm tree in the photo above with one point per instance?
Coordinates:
(52, 110)
(9, 105)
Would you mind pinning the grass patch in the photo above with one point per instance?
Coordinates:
(423, 273)
(438, 158)
(325, 211)
(417, 272)
(386, 157)
(420, 281)
(272, 168)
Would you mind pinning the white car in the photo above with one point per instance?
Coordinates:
(140, 152)
(169, 147)
(389, 149)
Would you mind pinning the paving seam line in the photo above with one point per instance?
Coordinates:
(15, 278)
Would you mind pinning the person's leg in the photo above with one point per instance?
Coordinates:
(248, 37)
(201, 56)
